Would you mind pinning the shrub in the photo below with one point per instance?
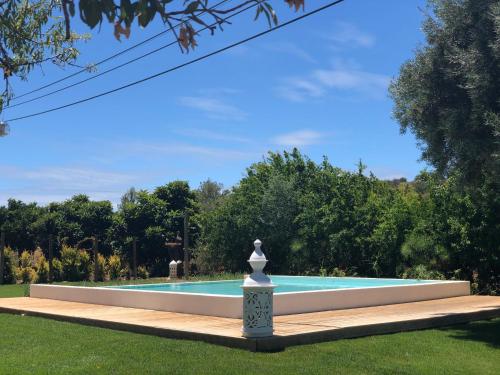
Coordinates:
(337, 272)
(114, 266)
(142, 272)
(9, 266)
(76, 264)
(42, 269)
(25, 272)
(102, 269)
(421, 272)
(207, 261)
(37, 255)
(57, 270)
(25, 260)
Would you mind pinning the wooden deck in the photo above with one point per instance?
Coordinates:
(289, 329)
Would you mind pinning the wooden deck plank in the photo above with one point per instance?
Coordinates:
(289, 329)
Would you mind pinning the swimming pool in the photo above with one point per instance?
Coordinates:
(293, 294)
(284, 284)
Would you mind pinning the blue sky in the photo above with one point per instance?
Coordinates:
(319, 85)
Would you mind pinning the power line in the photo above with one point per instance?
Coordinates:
(129, 61)
(109, 57)
(177, 67)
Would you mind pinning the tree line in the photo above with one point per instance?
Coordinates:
(313, 218)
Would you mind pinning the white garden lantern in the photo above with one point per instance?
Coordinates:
(257, 297)
(172, 267)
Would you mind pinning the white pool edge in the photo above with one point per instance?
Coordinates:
(231, 306)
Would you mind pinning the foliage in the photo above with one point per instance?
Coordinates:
(31, 33)
(142, 272)
(18, 218)
(9, 266)
(209, 195)
(42, 270)
(82, 218)
(76, 264)
(448, 95)
(152, 219)
(57, 270)
(309, 216)
(114, 266)
(422, 273)
(313, 218)
(102, 268)
(26, 272)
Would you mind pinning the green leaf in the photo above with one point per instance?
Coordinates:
(257, 13)
(192, 7)
(108, 8)
(268, 16)
(125, 9)
(72, 9)
(272, 12)
(90, 12)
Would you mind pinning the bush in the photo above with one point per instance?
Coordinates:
(25, 272)
(42, 269)
(114, 266)
(76, 264)
(421, 272)
(142, 272)
(207, 261)
(9, 266)
(102, 269)
(57, 270)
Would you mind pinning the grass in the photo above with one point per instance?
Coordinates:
(30, 345)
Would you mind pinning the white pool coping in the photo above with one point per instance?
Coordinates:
(231, 306)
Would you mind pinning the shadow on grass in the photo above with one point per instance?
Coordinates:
(486, 331)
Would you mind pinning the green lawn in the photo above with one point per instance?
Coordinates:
(31, 345)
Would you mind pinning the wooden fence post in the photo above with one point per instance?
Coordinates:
(186, 245)
(134, 256)
(51, 257)
(2, 246)
(96, 258)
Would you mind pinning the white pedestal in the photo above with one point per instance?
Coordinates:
(172, 267)
(257, 298)
(257, 311)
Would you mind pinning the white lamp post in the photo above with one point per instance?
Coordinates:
(257, 297)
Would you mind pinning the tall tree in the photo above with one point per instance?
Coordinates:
(209, 194)
(448, 95)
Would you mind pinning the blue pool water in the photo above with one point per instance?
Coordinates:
(283, 284)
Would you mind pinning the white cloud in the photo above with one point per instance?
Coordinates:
(77, 177)
(299, 138)
(292, 50)
(296, 89)
(341, 77)
(144, 148)
(212, 135)
(214, 108)
(347, 34)
(49, 184)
